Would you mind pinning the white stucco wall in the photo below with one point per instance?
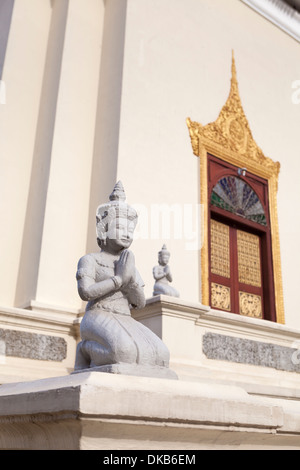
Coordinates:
(51, 72)
(177, 65)
(130, 75)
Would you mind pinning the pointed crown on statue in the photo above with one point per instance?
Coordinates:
(116, 208)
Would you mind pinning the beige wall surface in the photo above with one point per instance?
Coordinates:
(100, 91)
(51, 72)
(22, 74)
(177, 65)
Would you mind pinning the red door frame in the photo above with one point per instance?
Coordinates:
(216, 170)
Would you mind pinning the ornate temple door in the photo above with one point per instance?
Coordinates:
(236, 276)
(240, 269)
(250, 294)
(246, 248)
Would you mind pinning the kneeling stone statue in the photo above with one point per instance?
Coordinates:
(112, 341)
(163, 276)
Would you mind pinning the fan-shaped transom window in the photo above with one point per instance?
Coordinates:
(236, 196)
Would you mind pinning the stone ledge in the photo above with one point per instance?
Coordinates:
(132, 369)
(174, 320)
(97, 410)
(52, 320)
(201, 314)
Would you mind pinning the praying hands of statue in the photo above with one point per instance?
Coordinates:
(125, 268)
(161, 272)
(168, 273)
(125, 273)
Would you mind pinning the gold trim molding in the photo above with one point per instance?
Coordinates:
(230, 139)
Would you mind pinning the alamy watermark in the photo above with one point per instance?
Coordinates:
(155, 222)
(165, 222)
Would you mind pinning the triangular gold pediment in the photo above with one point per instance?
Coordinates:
(230, 133)
(230, 139)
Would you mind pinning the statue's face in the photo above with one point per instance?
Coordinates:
(164, 259)
(120, 233)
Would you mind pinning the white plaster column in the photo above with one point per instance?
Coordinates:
(23, 47)
(42, 153)
(64, 142)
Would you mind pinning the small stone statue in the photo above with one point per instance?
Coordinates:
(163, 276)
(112, 341)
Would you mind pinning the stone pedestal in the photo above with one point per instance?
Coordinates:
(95, 410)
(208, 345)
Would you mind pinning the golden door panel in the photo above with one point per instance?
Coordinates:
(220, 257)
(249, 269)
(220, 296)
(250, 305)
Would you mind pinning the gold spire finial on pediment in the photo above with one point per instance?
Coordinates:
(230, 139)
(230, 133)
(234, 83)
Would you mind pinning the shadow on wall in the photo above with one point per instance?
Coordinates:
(6, 11)
(106, 143)
(37, 197)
